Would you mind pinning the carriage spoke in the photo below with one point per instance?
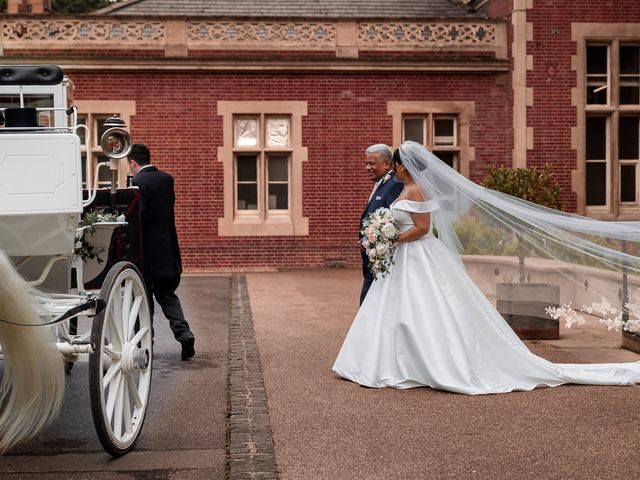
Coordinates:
(141, 333)
(126, 405)
(117, 417)
(126, 304)
(116, 313)
(116, 331)
(113, 354)
(113, 369)
(134, 391)
(133, 316)
(113, 395)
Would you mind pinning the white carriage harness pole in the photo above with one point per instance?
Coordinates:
(42, 278)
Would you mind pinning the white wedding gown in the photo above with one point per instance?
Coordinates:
(427, 324)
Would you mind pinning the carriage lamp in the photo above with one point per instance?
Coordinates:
(115, 141)
(116, 144)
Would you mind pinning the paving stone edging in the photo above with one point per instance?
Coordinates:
(250, 452)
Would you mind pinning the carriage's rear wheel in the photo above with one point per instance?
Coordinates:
(121, 363)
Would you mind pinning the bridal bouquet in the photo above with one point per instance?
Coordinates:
(380, 233)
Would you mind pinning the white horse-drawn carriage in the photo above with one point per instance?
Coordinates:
(43, 279)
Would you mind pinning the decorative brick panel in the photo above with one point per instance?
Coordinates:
(78, 32)
(262, 35)
(426, 35)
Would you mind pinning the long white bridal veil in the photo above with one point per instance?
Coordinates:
(589, 268)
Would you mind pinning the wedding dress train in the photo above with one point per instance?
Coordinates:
(427, 324)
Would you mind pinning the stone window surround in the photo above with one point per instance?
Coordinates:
(293, 224)
(612, 34)
(464, 111)
(93, 108)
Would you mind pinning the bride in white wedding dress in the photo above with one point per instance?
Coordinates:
(426, 323)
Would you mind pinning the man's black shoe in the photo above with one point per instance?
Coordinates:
(187, 340)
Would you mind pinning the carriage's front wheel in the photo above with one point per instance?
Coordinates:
(120, 365)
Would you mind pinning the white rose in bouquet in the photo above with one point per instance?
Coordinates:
(389, 231)
(382, 249)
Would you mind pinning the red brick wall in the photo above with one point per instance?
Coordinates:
(552, 79)
(176, 117)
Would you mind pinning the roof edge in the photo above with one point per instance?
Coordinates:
(114, 7)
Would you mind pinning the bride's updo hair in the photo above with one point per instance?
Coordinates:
(396, 157)
(400, 155)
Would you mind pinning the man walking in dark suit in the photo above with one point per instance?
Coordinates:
(378, 164)
(161, 253)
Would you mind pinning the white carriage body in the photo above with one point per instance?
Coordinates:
(40, 193)
(40, 185)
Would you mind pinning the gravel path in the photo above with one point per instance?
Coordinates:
(328, 428)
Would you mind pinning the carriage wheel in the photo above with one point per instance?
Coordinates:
(120, 365)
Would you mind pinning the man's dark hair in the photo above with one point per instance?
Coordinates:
(140, 153)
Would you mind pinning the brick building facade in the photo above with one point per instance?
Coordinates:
(262, 114)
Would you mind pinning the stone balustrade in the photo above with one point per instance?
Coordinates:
(178, 36)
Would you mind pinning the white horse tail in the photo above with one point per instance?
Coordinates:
(32, 388)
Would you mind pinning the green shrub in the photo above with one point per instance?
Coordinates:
(532, 184)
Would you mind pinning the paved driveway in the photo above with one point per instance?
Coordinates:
(184, 433)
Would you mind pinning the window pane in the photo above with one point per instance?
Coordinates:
(278, 168)
(597, 74)
(246, 132)
(597, 59)
(247, 196)
(414, 129)
(629, 59)
(628, 183)
(277, 133)
(629, 91)
(629, 74)
(597, 90)
(247, 168)
(596, 138)
(278, 196)
(444, 131)
(46, 119)
(447, 157)
(596, 183)
(628, 138)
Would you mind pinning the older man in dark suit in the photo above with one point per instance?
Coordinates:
(379, 167)
(161, 253)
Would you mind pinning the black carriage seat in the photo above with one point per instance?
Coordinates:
(30, 75)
